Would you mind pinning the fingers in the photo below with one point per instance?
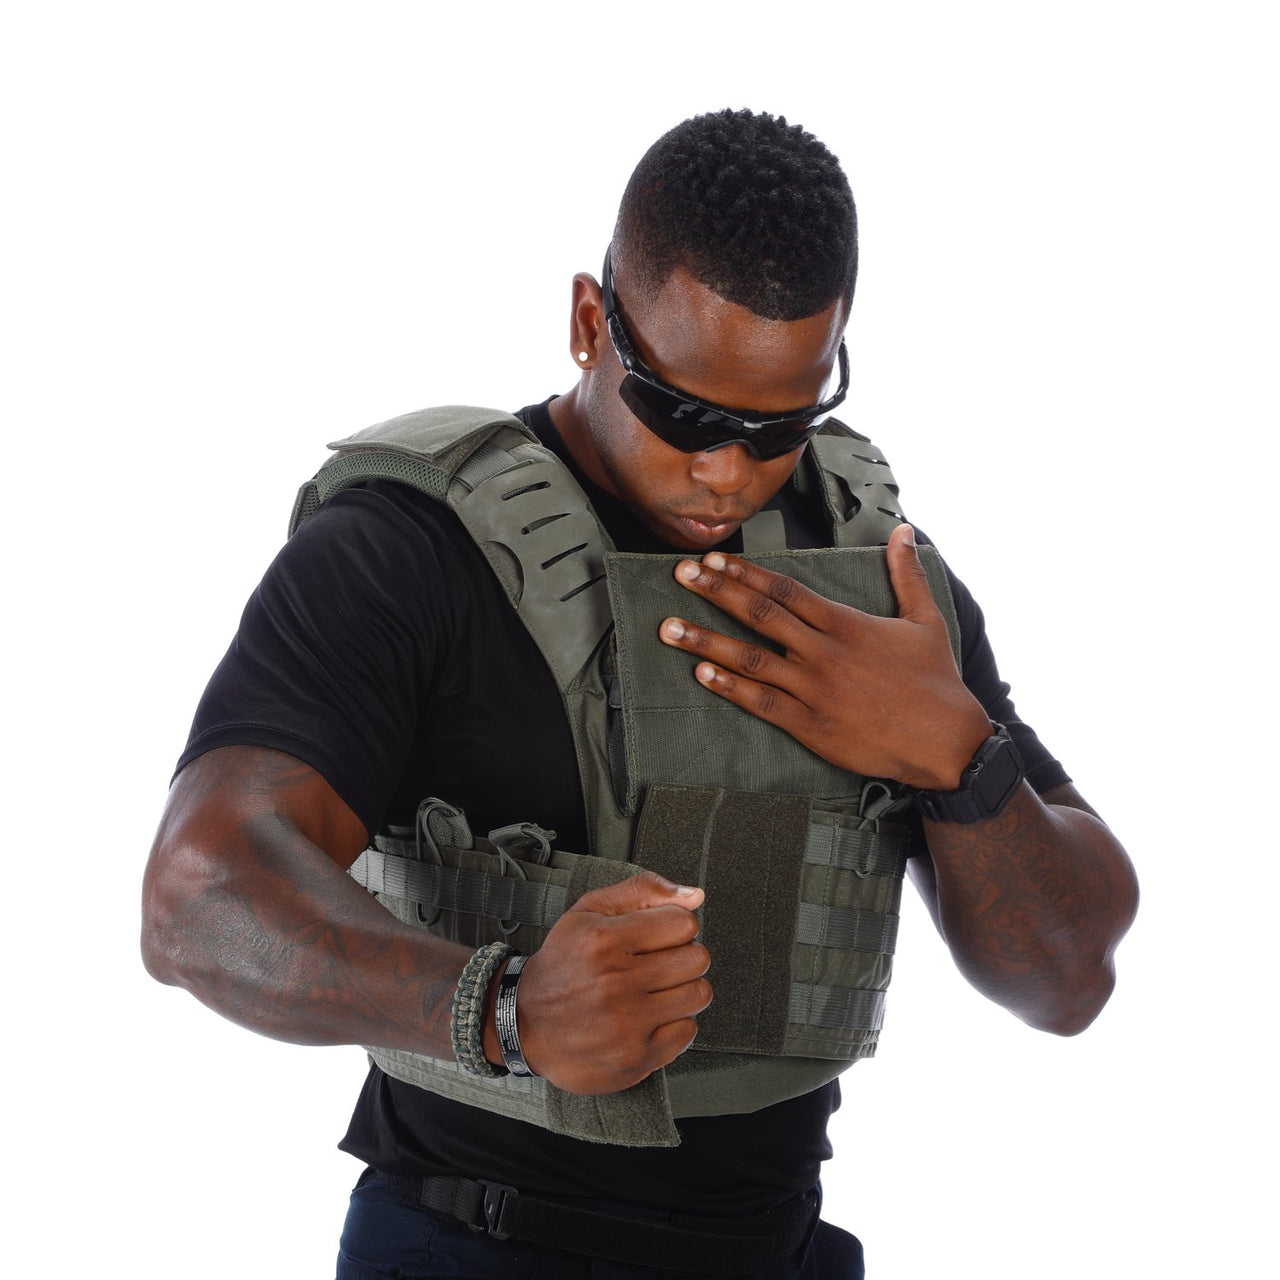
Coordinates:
(670, 970)
(764, 701)
(910, 584)
(639, 893)
(610, 998)
(753, 660)
(771, 603)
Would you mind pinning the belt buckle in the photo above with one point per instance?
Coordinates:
(498, 1198)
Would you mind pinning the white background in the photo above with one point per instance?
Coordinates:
(234, 232)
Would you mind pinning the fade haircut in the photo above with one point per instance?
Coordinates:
(754, 208)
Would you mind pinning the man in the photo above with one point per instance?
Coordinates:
(401, 648)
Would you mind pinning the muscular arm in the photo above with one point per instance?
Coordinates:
(1033, 903)
(247, 904)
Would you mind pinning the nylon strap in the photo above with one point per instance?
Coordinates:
(865, 853)
(729, 1246)
(847, 929)
(836, 1007)
(457, 889)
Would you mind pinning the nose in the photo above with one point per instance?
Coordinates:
(725, 471)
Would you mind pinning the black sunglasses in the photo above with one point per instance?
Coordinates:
(699, 426)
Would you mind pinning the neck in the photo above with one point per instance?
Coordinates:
(569, 413)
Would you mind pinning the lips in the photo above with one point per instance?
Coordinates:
(708, 529)
(714, 521)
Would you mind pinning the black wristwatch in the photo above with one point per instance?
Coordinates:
(989, 781)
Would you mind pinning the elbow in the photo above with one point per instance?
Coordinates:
(176, 880)
(161, 938)
(1082, 972)
(1073, 991)
(1076, 1008)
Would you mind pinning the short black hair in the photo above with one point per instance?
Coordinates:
(754, 208)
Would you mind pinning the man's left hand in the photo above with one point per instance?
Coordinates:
(878, 696)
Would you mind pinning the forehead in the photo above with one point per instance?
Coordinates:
(701, 343)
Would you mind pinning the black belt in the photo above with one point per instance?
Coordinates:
(706, 1246)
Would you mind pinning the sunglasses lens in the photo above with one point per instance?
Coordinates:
(694, 428)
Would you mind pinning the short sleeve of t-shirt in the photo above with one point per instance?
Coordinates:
(380, 650)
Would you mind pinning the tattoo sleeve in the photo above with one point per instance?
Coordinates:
(1033, 905)
(247, 904)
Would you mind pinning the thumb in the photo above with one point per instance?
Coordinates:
(910, 585)
(636, 893)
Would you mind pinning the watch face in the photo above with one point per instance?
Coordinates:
(1000, 777)
(986, 786)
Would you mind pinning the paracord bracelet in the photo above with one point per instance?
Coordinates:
(466, 1023)
(504, 1017)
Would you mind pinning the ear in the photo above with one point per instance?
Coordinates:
(587, 330)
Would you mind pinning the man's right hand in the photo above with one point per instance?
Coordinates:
(611, 996)
(247, 904)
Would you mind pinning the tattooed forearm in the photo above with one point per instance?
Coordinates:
(1033, 905)
(247, 904)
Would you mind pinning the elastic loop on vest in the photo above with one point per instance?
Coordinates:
(423, 835)
(524, 837)
(507, 926)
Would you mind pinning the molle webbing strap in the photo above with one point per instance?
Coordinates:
(862, 850)
(845, 928)
(837, 1007)
(476, 893)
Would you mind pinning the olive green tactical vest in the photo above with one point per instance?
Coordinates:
(801, 863)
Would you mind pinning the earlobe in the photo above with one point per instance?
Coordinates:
(586, 321)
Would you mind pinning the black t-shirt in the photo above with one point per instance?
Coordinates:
(380, 649)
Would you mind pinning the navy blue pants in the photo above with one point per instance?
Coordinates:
(387, 1239)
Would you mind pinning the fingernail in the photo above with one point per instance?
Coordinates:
(672, 629)
(910, 539)
(686, 571)
(705, 672)
(714, 561)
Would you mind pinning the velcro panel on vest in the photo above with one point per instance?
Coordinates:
(676, 729)
(748, 852)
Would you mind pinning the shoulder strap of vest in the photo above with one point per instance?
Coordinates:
(859, 489)
(519, 502)
(426, 450)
